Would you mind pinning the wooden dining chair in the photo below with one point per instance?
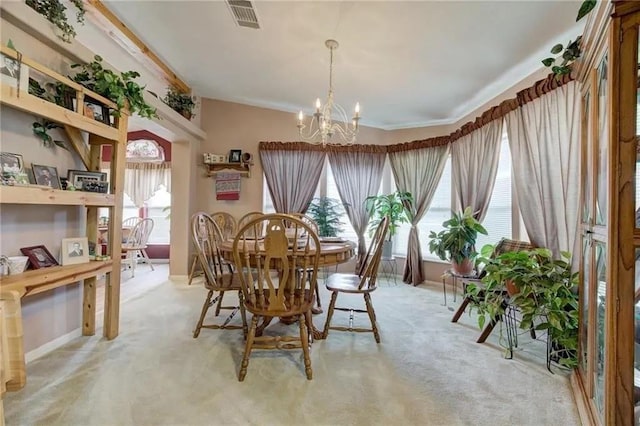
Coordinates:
(228, 227)
(313, 225)
(227, 224)
(218, 278)
(136, 245)
(364, 282)
(291, 293)
(248, 218)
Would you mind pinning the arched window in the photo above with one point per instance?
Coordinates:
(144, 151)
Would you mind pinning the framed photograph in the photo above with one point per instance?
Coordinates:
(83, 179)
(235, 156)
(46, 175)
(13, 73)
(39, 257)
(97, 111)
(74, 250)
(11, 163)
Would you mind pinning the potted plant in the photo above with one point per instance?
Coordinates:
(456, 243)
(326, 212)
(546, 296)
(392, 206)
(55, 12)
(121, 89)
(182, 103)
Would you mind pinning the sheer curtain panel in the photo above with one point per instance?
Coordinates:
(357, 171)
(292, 171)
(142, 180)
(418, 171)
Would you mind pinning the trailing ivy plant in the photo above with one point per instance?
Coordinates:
(41, 129)
(546, 296)
(55, 12)
(119, 88)
(572, 51)
(182, 103)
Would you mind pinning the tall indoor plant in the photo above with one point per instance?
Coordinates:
(392, 206)
(456, 243)
(326, 212)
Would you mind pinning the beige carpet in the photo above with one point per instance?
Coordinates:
(426, 371)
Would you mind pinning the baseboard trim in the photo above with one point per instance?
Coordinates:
(52, 345)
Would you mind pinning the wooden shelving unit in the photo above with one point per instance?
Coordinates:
(215, 168)
(41, 280)
(38, 195)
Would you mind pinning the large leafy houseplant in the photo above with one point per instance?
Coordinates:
(326, 212)
(456, 242)
(390, 205)
(119, 88)
(546, 296)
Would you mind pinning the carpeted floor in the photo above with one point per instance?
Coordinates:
(426, 371)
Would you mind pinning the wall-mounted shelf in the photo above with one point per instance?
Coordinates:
(214, 168)
(39, 195)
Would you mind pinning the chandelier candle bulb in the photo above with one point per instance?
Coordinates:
(357, 109)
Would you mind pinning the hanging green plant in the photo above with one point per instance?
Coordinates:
(182, 103)
(41, 129)
(54, 11)
(121, 89)
(572, 51)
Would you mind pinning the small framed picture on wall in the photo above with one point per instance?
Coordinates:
(235, 156)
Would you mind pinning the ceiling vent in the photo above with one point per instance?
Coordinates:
(243, 13)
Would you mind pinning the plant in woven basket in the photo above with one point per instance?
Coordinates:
(55, 12)
(119, 88)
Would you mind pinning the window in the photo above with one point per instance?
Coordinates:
(439, 211)
(332, 192)
(497, 222)
(158, 208)
(144, 150)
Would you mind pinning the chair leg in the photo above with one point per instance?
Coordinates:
(205, 308)
(319, 304)
(372, 316)
(219, 305)
(243, 314)
(146, 259)
(247, 349)
(192, 271)
(134, 260)
(332, 305)
(304, 340)
(309, 322)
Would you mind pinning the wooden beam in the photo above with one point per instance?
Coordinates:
(77, 142)
(110, 22)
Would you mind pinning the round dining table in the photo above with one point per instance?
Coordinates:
(332, 252)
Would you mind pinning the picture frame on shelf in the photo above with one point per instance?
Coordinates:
(13, 73)
(46, 175)
(11, 163)
(84, 180)
(74, 251)
(39, 257)
(97, 111)
(235, 156)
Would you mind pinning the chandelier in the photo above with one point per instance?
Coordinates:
(322, 127)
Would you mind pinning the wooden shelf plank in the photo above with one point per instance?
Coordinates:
(44, 279)
(34, 105)
(39, 195)
(215, 168)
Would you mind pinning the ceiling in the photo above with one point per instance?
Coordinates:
(409, 64)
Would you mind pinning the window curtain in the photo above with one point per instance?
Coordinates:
(292, 171)
(357, 171)
(544, 140)
(474, 164)
(418, 171)
(142, 180)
